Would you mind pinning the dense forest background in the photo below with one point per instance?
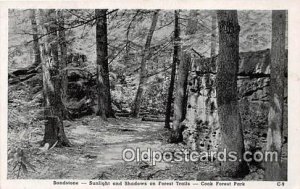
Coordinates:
(126, 38)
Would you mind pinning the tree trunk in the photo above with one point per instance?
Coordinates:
(183, 71)
(36, 48)
(54, 109)
(63, 53)
(209, 80)
(274, 138)
(63, 60)
(145, 55)
(227, 99)
(104, 97)
(173, 71)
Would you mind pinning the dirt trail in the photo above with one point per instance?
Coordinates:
(97, 153)
(98, 145)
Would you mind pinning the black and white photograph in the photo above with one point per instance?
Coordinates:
(147, 94)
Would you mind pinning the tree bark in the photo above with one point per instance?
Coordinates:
(104, 96)
(275, 118)
(173, 71)
(62, 42)
(36, 46)
(145, 54)
(181, 86)
(63, 53)
(54, 109)
(208, 76)
(227, 99)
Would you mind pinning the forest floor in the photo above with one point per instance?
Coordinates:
(96, 153)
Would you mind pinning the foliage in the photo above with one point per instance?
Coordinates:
(127, 30)
(19, 162)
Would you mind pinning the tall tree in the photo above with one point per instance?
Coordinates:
(179, 103)
(63, 53)
(104, 96)
(207, 76)
(173, 71)
(227, 98)
(143, 72)
(191, 30)
(36, 46)
(54, 109)
(274, 138)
